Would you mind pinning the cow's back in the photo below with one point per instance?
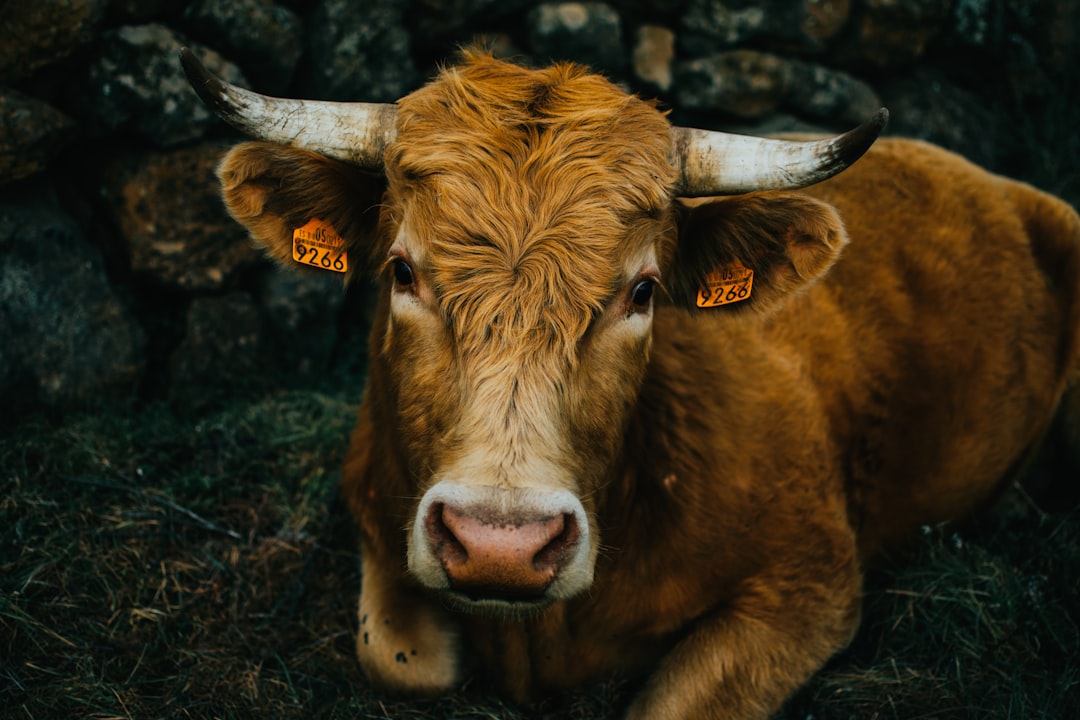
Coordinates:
(935, 350)
(945, 336)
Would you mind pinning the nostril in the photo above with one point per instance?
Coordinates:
(553, 555)
(445, 545)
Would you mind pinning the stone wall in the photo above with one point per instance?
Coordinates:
(121, 277)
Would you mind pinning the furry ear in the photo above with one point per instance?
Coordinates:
(274, 190)
(750, 252)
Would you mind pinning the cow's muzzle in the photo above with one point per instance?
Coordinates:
(504, 551)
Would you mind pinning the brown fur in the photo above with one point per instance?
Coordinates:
(738, 465)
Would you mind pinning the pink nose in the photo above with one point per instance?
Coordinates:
(501, 557)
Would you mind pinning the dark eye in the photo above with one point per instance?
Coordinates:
(403, 274)
(642, 294)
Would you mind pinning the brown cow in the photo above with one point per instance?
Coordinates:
(563, 467)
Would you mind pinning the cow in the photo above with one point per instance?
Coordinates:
(645, 399)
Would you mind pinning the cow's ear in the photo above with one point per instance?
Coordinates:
(750, 252)
(304, 208)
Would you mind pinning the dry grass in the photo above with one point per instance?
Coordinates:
(159, 570)
(153, 567)
(984, 626)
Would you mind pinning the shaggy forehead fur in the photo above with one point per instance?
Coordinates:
(526, 192)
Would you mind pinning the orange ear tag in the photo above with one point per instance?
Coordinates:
(318, 245)
(725, 285)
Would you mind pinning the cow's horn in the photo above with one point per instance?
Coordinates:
(353, 132)
(718, 163)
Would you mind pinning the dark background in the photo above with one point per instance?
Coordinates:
(122, 280)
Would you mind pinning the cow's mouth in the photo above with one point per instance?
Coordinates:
(493, 603)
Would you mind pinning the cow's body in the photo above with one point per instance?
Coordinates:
(707, 484)
(901, 390)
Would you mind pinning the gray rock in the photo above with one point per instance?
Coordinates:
(220, 354)
(440, 18)
(1032, 45)
(175, 229)
(891, 33)
(650, 11)
(360, 51)
(926, 106)
(653, 56)
(1053, 29)
(589, 33)
(800, 26)
(975, 22)
(303, 311)
(31, 133)
(711, 25)
(750, 84)
(137, 83)
(38, 33)
(826, 94)
(264, 38)
(66, 341)
(137, 12)
(744, 83)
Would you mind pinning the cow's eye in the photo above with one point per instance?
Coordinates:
(403, 274)
(642, 295)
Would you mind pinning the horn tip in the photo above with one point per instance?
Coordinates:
(854, 144)
(193, 68)
(881, 118)
(210, 89)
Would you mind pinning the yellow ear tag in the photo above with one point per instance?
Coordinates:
(725, 285)
(318, 245)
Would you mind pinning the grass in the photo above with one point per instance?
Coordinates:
(984, 626)
(154, 568)
(159, 567)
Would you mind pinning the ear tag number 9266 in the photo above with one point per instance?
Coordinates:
(318, 245)
(726, 285)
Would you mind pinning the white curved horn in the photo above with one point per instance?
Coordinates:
(356, 133)
(718, 163)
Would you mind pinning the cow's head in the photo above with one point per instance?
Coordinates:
(524, 224)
